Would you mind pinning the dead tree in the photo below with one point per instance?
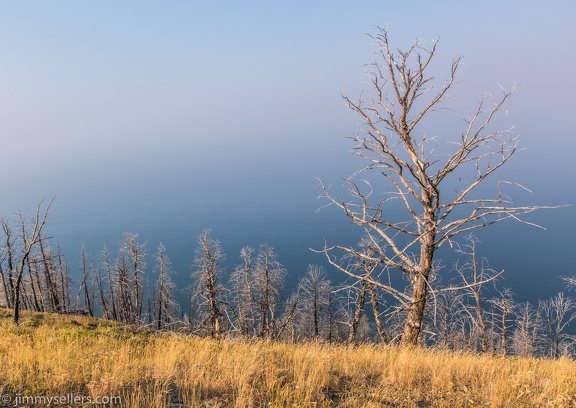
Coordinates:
(3, 276)
(359, 303)
(123, 287)
(474, 274)
(209, 288)
(366, 266)
(104, 300)
(63, 279)
(244, 308)
(111, 280)
(528, 331)
(30, 235)
(50, 277)
(10, 256)
(85, 285)
(289, 322)
(268, 283)
(137, 257)
(502, 310)
(164, 304)
(558, 313)
(314, 300)
(433, 180)
(34, 283)
(570, 281)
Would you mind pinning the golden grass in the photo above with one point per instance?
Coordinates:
(54, 355)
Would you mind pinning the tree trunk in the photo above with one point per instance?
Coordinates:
(377, 318)
(53, 299)
(415, 317)
(360, 301)
(481, 321)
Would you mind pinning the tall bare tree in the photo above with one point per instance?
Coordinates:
(474, 273)
(314, 300)
(30, 235)
(9, 255)
(88, 280)
(268, 283)
(447, 320)
(503, 308)
(241, 282)
(63, 273)
(433, 180)
(358, 309)
(113, 289)
(164, 304)
(137, 255)
(209, 289)
(55, 300)
(528, 331)
(558, 313)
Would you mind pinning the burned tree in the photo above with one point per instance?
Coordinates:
(241, 283)
(164, 304)
(558, 313)
(209, 289)
(268, 282)
(30, 235)
(315, 295)
(474, 274)
(502, 309)
(433, 181)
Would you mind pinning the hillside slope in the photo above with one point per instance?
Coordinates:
(51, 356)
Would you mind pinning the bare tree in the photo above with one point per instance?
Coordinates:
(434, 182)
(288, 327)
(314, 300)
(474, 274)
(113, 294)
(209, 288)
(123, 288)
(528, 330)
(64, 279)
(558, 312)
(88, 280)
(137, 256)
(570, 281)
(105, 302)
(30, 235)
(447, 320)
(9, 255)
(51, 278)
(366, 266)
(165, 304)
(242, 292)
(3, 276)
(503, 308)
(359, 302)
(268, 283)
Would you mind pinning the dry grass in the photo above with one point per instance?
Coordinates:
(55, 355)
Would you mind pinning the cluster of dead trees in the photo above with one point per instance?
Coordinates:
(253, 299)
(34, 276)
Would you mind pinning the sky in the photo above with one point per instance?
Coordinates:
(166, 118)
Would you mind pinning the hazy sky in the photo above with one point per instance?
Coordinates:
(165, 118)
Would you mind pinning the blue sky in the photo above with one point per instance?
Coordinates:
(165, 118)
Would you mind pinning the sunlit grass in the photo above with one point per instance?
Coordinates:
(52, 354)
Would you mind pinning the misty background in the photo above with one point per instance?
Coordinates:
(168, 118)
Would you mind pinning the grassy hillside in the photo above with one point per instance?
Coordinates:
(54, 355)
